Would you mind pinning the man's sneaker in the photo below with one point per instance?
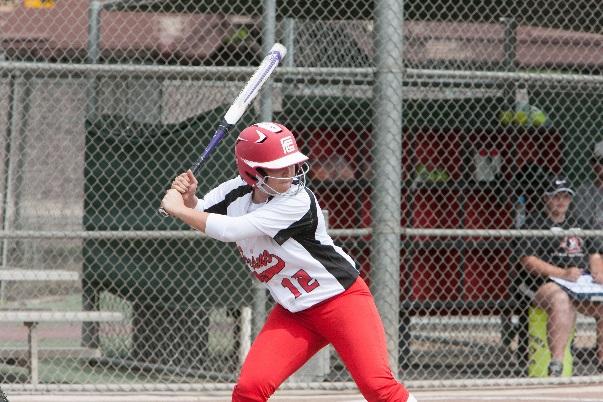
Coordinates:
(555, 368)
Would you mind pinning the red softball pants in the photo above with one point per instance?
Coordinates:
(349, 321)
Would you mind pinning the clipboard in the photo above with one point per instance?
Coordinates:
(583, 289)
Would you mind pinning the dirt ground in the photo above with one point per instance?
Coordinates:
(581, 393)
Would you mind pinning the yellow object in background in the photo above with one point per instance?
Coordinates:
(38, 3)
(524, 115)
(423, 174)
(538, 346)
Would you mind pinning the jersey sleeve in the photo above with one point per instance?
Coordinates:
(285, 217)
(217, 200)
(230, 229)
(200, 205)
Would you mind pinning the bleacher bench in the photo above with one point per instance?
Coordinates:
(31, 318)
(15, 274)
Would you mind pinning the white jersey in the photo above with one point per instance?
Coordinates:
(294, 257)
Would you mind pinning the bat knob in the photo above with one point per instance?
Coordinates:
(163, 212)
(280, 49)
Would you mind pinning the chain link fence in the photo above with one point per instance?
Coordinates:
(431, 128)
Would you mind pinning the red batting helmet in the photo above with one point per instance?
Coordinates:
(265, 145)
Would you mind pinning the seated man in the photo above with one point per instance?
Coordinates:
(563, 257)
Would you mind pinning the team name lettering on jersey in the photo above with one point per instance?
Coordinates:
(274, 263)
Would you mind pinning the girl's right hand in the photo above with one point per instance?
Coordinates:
(172, 201)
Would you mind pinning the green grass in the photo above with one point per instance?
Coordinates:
(64, 302)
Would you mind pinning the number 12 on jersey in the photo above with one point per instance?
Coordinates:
(305, 282)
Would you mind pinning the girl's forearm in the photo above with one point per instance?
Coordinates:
(195, 219)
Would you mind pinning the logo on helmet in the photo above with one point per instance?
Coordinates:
(261, 137)
(288, 144)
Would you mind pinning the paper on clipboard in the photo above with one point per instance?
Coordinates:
(584, 288)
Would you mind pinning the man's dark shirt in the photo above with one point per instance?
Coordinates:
(564, 252)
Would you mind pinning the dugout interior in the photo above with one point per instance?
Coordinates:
(170, 283)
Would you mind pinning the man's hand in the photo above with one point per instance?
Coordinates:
(596, 267)
(186, 184)
(597, 276)
(172, 201)
(572, 274)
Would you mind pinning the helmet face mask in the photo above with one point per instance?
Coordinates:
(297, 182)
(266, 146)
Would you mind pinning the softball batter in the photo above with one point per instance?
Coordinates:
(280, 233)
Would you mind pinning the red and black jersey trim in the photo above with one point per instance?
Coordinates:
(304, 232)
(232, 196)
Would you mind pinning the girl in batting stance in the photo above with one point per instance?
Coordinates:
(280, 232)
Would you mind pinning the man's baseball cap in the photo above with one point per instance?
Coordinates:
(559, 185)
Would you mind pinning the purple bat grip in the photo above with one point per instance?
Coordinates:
(219, 134)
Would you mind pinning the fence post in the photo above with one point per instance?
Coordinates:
(268, 38)
(387, 169)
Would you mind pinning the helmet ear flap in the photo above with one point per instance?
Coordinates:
(261, 171)
(251, 177)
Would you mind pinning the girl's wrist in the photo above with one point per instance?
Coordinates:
(190, 201)
(178, 211)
